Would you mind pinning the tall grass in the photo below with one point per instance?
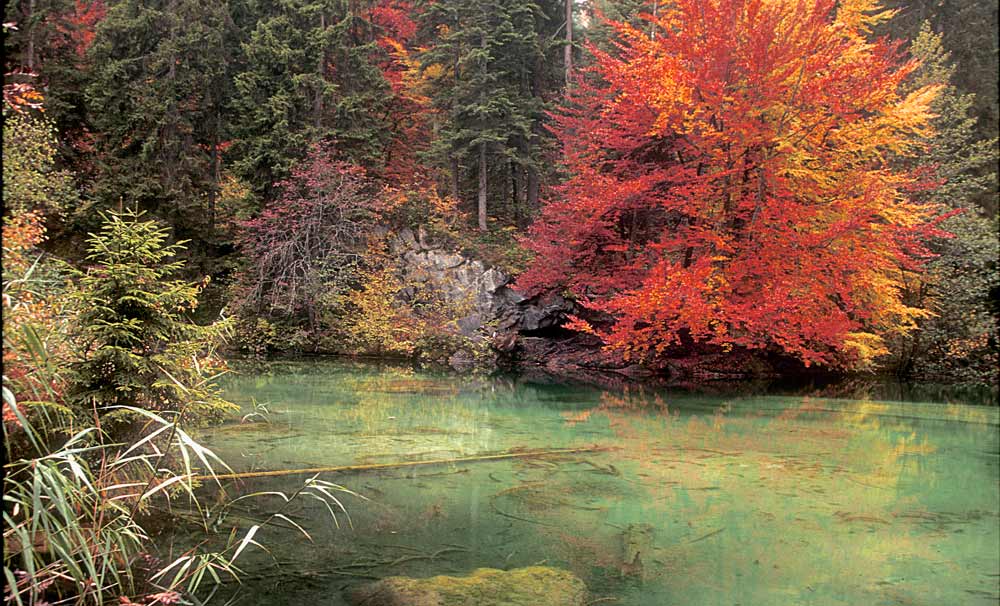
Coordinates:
(71, 515)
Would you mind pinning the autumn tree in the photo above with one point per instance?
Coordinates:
(306, 249)
(35, 310)
(47, 42)
(31, 180)
(408, 109)
(730, 186)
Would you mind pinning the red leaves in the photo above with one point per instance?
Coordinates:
(305, 247)
(79, 26)
(409, 111)
(729, 182)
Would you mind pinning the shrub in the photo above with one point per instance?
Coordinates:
(309, 244)
(30, 180)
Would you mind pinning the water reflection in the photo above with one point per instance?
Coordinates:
(811, 497)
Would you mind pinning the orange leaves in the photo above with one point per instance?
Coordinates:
(34, 324)
(410, 107)
(730, 182)
(22, 96)
(21, 233)
(858, 17)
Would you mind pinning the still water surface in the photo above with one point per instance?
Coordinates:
(751, 500)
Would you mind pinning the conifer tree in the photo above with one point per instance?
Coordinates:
(968, 32)
(142, 350)
(155, 98)
(488, 59)
(309, 73)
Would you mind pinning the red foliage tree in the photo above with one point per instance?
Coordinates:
(77, 26)
(730, 183)
(308, 245)
(409, 110)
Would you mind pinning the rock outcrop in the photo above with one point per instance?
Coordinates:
(531, 339)
(526, 332)
(464, 283)
(532, 586)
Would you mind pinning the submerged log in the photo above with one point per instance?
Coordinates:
(511, 454)
(531, 586)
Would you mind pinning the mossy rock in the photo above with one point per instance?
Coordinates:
(531, 586)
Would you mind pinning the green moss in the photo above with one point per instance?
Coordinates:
(483, 587)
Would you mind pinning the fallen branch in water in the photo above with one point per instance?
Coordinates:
(511, 516)
(705, 536)
(515, 454)
(361, 570)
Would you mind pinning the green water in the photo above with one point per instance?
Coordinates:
(748, 500)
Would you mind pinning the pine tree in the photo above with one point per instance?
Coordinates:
(968, 32)
(309, 73)
(156, 98)
(488, 58)
(143, 351)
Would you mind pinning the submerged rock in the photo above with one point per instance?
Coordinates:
(531, 586)
(637, 541)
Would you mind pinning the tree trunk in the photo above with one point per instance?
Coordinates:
(691, 221)
(318, 102)
(652, 24)
(454, 179)
(512, 188)
(533, 185)
(29, 59)
(568, 50)
(170, 144)
(537, 86)
(213, 191)
(482, 186)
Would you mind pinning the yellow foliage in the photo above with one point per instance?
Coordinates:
(866, 347)
(380, 324)
(861, 15)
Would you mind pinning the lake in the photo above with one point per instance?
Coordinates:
(748, 499)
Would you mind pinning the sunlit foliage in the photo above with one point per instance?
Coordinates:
(730, 186)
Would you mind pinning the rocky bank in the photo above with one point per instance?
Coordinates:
(526, 334)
